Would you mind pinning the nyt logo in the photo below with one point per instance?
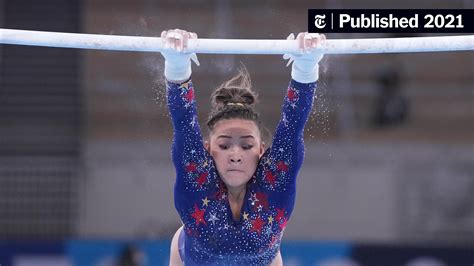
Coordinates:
(319, 21)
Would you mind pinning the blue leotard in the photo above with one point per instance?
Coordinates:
(211, 235)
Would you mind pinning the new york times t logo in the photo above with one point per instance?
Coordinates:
(319, 21)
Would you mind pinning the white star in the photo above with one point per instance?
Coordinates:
(268, 231)
(280, 149)
(268, 161)
(253, 198)
(193, 151)
(285, 121)
(213, 218)
(259, 208)
(293, 105)
(193, 122)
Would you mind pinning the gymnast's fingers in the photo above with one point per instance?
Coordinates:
(178, 41)
(184, 42)
(319, 39)
(309, 41)
(170, 39)
(300, 38)
(163, 38)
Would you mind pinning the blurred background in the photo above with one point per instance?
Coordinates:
(85, 138)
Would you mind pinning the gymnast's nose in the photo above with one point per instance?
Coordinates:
(235, 160)
(235, 157)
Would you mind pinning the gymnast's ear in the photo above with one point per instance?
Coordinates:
(262, 150)
(206, 145)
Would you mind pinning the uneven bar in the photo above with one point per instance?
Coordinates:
(233, 46)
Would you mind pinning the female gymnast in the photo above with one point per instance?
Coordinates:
(233, 196)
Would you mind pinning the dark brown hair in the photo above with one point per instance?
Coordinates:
(234, 99)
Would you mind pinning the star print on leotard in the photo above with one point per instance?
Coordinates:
(212, 236)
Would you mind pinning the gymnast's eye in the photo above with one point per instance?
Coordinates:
(223, 147)
(247, 147)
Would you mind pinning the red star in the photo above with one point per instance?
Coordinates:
(270, 177)
(189, 231)
(262, 199)
(202, 178)
(191, 167)
(198, 215)
(283, 224)
(282, 166)
(274, 239)
(280, 214)
(192, 233)
(189, 96)
(221, 192)
(292, 95)
(257, 225)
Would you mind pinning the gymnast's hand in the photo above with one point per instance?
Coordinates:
(305, 67)
(177, 60)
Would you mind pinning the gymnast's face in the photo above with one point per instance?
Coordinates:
(236, 147)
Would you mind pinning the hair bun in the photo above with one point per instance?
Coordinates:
(234, 99)
(237, 90)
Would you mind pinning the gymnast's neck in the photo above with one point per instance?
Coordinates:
(236, 200)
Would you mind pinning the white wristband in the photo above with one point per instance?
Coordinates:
(305, 76)
(177, 72)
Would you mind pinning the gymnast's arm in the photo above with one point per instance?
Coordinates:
(187, 149)
(187, 139)
(287, 151)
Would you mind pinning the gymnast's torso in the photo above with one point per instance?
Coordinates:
(212, 235)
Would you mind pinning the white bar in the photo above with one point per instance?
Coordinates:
(232, 46)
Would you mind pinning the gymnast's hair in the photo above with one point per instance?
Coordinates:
(234, 99)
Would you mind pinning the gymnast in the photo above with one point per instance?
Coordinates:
(233, 195)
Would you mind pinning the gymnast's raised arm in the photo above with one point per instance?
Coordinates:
(188, 149)
(287, 151)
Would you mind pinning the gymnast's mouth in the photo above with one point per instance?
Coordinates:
(234, 170)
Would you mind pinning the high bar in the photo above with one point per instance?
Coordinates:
(236, 46)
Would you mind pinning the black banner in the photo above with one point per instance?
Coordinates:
(407, 255)
(391, 20)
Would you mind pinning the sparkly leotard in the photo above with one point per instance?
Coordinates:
(211, 235)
